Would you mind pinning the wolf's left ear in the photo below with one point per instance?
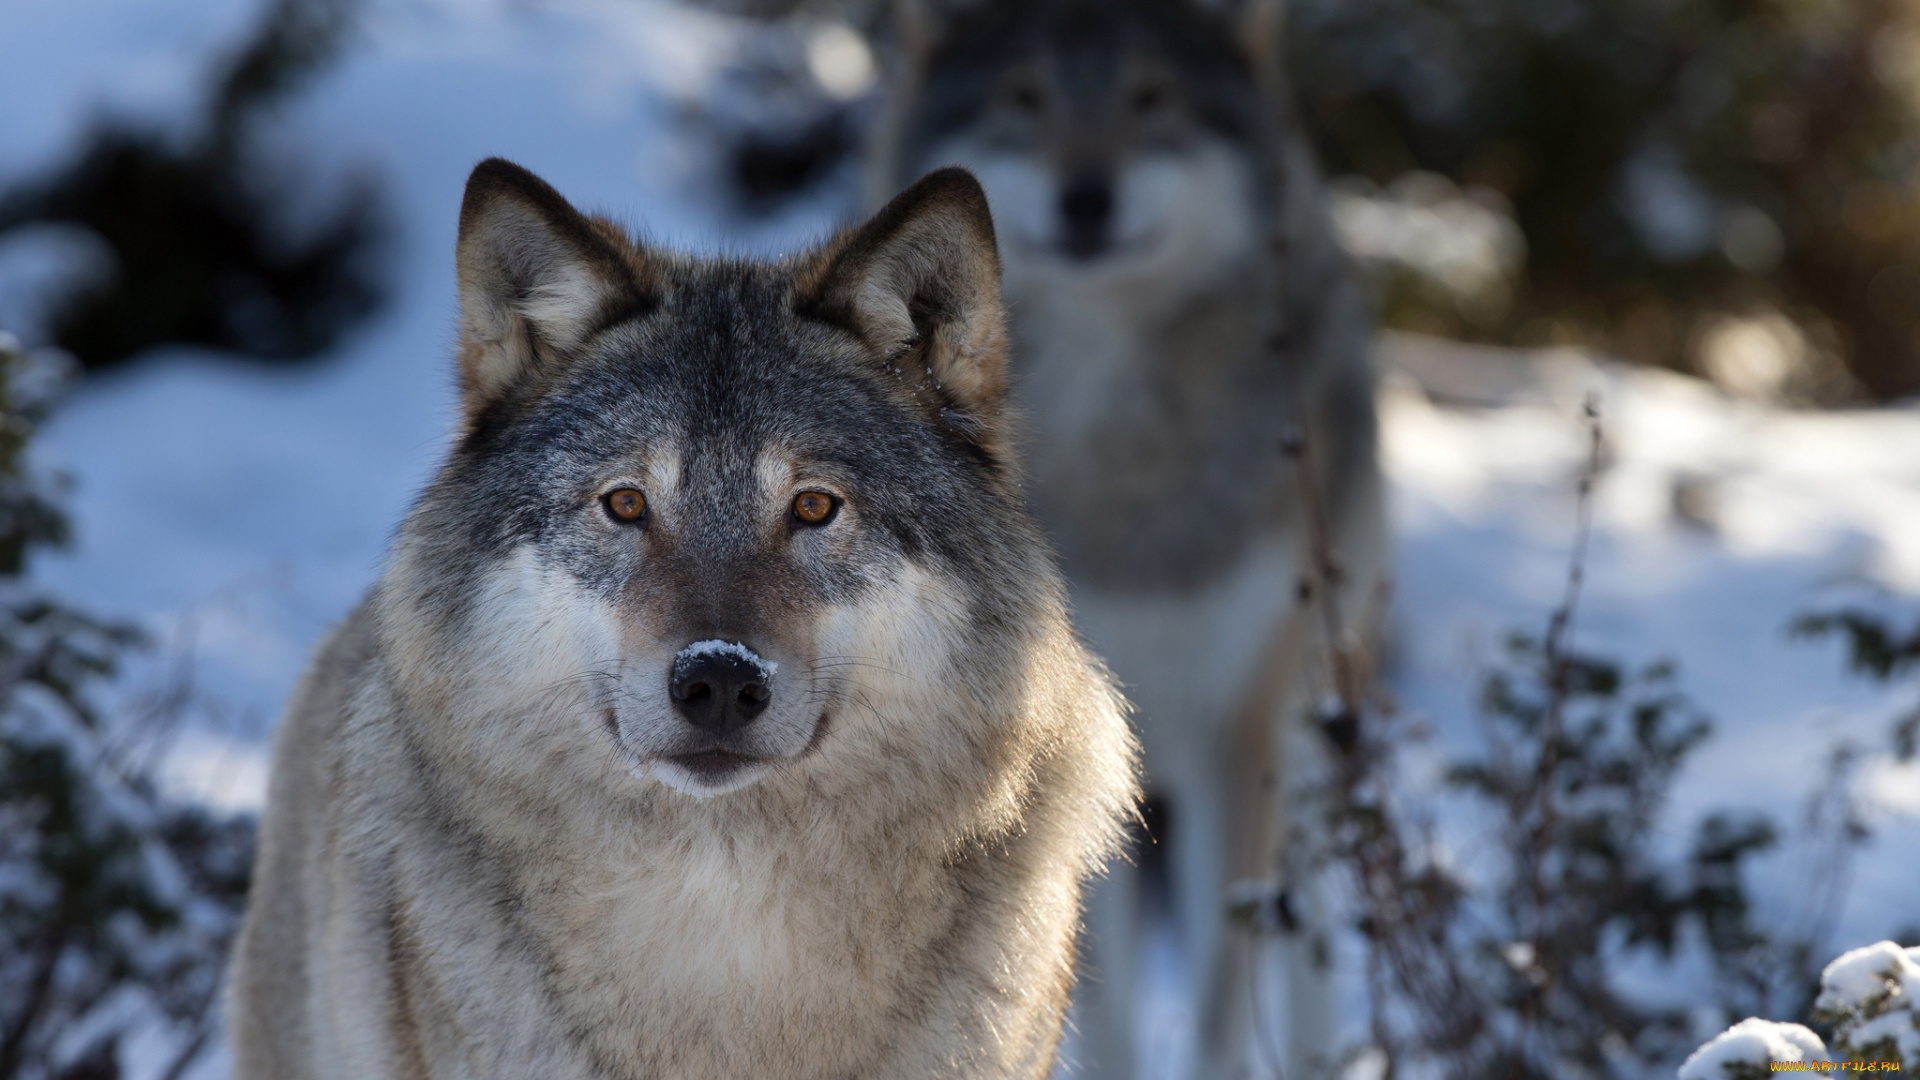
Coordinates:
(920, 284)
(537, 278)
(1259, 29)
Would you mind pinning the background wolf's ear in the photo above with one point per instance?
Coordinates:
(920, 284)
(916, 25)
(537, 278)
(1259, 29)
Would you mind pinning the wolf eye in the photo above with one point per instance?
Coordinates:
(1026, 97)
(626, 504)
(814, 507)
(1148, 98)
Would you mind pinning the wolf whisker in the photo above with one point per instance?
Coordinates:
(585, 676)
(827, 662)
(859, 697)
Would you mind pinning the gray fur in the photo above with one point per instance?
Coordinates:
(485, 854)
(1162, 358)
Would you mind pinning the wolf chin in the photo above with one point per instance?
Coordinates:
(718, 714)
(1180, 312)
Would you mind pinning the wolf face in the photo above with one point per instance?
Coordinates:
(717, 508)
(1112, 137)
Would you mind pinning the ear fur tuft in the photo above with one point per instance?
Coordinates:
(919, 283)
(537, 278)
(1260, 31)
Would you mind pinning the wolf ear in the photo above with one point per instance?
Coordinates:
(920, 284)
(1259, 29)
(537, 278)
(918, 24)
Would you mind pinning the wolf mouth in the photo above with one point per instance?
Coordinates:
(1113, 250)
(710, 766)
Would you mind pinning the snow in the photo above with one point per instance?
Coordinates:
(1716, 523)
(1465, 244)
(716, 647)
(1867, 975)
(75, 62)
(1752, 1042)
(1869, 993)
(238, 512)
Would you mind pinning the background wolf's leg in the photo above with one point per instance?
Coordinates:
(1300, 1003)
(1300, 968)
(1103, 1005)
(1253, 784)
(1202, 825)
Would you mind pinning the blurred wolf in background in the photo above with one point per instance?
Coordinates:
(1178, 306)
(718, 714)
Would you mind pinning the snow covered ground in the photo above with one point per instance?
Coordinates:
(239, 511)
(1716, 523)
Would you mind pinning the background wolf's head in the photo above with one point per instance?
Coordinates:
(718, 516)
(1115, 138)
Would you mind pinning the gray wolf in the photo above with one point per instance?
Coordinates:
(717, 714)
(1178, 307)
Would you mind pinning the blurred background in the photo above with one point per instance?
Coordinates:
(226, 292)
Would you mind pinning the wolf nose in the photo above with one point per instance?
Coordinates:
(718, 692)
(1086, 206)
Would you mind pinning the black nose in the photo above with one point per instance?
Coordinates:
(718, 692)
(1086, 209)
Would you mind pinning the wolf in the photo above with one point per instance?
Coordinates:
(1192, 353)
(717, 714)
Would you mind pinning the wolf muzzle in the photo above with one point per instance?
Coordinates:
(1086, 215)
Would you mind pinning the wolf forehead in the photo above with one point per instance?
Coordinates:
(720, 373)
(718, 364)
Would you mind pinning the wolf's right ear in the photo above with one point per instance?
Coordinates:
(1259, 30)
(918, 25)
(920, 284)
(537, 278)
(914, 27)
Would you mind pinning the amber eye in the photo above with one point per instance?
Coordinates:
(813, 507)
(626, 504)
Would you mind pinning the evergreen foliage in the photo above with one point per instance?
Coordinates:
(116, 905)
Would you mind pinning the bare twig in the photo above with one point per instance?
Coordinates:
(190, 1053)
(39, 990)
(1556, 655)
